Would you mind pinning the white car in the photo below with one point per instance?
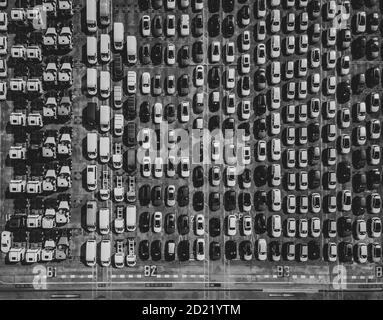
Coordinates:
(332, 252)
(184, 25)
(275, 46)
(146, 166)
(261, 150)
(145, 26)
(199, 224)
(185, 167)
(3, 91)
(291, 227)
(275, 21)
(132, 81)
(170, 4)
(230, 78)
(231, 225)
(3, 21)
(346, 198)
(6, 241)
(315, 227)
(290, 45)
(303, 228)
(291, 204)
(171, 25)
(145, 83)
(260, 54)
(185, 107)
(145, 138)
(199, 76)
(315, 202)
(118, 124)
(276, 200)
(158, 167)
(157, 113)
(315, 58)
(200, 249)
(230, 52)
(170, 195)
(245, 40)
(157, 222)
(171, 54)
(247, 225)
(276, 226)
(215, 150)
(261, 249)
(230, 176)
(3, 45)
(276, 149)
(215, 52)
(245, 63)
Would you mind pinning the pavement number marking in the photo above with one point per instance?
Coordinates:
(150, 271)
(378, 271)
(40, 279)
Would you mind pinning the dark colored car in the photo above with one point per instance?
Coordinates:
(314, 179)
(198, 177)
(245, 126)
(145, 54)
(228, 127)
(275, 249)
(372, 48)
(143, 250)
(374, 76)
(184, 56)
(344, 226)
(183, 196)
(214, 201)
(157, 196)
(215, 250)
(169, 256)
(243, 13)
(260, 200)
(144, 222)
(260, 79)
(131, 107)
(183, 224)
(157, 54)
(198, 201)
(214, 227)
(260, 223)
(214, 123)
(155, 250)
(359, 47)
(144, 195)
(184, 81)
(157, 26)
(261, 103)
(359, 158)
(343, 172)
(118, 67)
(157, 4)
(359, 205)
(314, 131)
(228, 26)
(214, 78)
(260, 175)
(373, 179)
(230, 249)
(214, 25)
(228, 5)
(260, 128)
(359, 83)
(170, 112)
(345, 252)
(145, 112)
(197, 50)
(244, 199)
(230, 200)
(245, 248)
(170, 223)
(144, 4)
(197, 25)
(245, 177)
(343, 91)
(183, 250)
(313, 250)
(359, 182)
(91, 111)
(214, 5)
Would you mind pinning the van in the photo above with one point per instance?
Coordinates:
(105, 47)
(130, 218)
(103, 220)
(91, 49)
(118, 68)
(91, 215)
(131, 107)
(91, 81)
(91, 113)
(91, 145)
(105, 252)
(132, 134)
(131, 49)
(104, 149)
(131, 155)
(91, 177)
(105, 12)
(90, 253)
(91, 15)
(118, 35)
(104, 118)
(105, 84)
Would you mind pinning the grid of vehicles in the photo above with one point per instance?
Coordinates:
(296, 82)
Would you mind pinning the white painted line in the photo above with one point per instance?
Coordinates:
(202, 276)
(312, 277)
(175, 275)
(159, 276)
(295, 276)
(166, 276)
(63, 276)
(72, 276)
(114, 276)
(184, 276)
(370, 277)
(192, 276)
(266, 276)
(90, 276)
(130, 276)
(303, 276)
(274, 276)
(139, 276)
(122, 276)
(362, 277)
(81, 276)
(353, 277)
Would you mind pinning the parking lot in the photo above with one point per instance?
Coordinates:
(295, 257)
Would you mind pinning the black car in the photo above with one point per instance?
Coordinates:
(214, 5)
(198, 177)
(214, 201)
(275, 249)
(170, 223)
(230, 200)
(145, 112)
(260, 128)
(183, 250)
(228, 26)
(359, 182)
(344, 226)
(183, 85)
(184, 56)
(214, 25)
(228, 127)
(245, 177)
(372, 48)
(143, 250)
(343, 91)
(245, 127)
(183, 224)
(260, 175)
(244, 200)
(359, 47)
(155, 250)
(198, 201)
(243, 13)
(157, 196)
(214, 227)
(228, 5)
(261, 104)
(359, 83)
(215, 250)
(197, 25)
(144, 4)
(313, 250)
(144, 195)
(197, 50)
(343, 172)
(345, 251)
(170, 112)
(157, 54)
(169, 255)
(214, 123)
(230, 249)
(260, 223)
(144, 222)
(314, 179)
(214, 78)
(314, 131)
(359, 158)
(157, 26)
(183, 196)
(245, 249)
(359, 205)
(260, 200)
(118, 67)
(145, 54)
(373, 179)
